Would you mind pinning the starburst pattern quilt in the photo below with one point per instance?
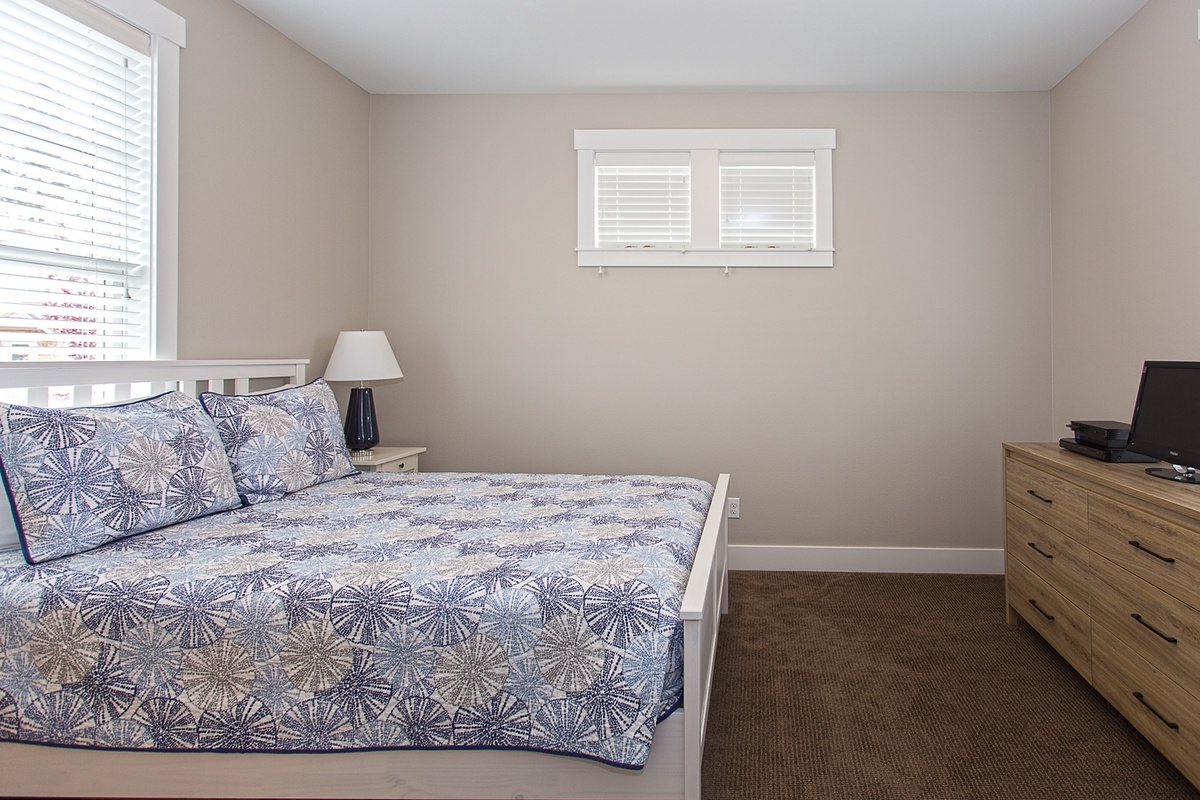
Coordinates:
(373, 611)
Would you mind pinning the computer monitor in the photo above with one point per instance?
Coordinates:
(1166, 418)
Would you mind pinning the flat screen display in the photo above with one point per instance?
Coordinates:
(1166, 417)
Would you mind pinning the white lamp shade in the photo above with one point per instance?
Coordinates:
(362, 356)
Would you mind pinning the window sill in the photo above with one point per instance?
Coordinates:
(654, 257)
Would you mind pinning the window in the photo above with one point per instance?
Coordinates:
(88, 179)
(723, 198)
(643, 198)
(767, 200)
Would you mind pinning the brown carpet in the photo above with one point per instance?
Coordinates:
(891, 687)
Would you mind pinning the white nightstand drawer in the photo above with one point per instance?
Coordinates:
(388, 459)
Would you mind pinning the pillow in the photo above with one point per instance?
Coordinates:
(78, 478)
(282, 441)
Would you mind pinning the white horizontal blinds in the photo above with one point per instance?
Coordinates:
(75, 183)
(767, 199)
(643, 199)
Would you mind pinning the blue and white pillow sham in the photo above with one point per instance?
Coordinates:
(283, 441)
(78, 478)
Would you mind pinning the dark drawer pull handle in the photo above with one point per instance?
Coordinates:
(1160, 634)
(1037, 549)
(1172, 725)
(1040, 611)
(1039, 497)
(1138, 545)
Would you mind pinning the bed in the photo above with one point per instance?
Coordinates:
(386, 533)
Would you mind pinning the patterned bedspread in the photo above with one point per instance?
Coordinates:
(374, 611)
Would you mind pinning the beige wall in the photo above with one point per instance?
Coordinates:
(273, 192)
(1126, 208)
(859, 405)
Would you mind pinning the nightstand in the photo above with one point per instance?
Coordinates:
(387, 459)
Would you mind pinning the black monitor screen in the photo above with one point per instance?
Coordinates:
(1166, 417)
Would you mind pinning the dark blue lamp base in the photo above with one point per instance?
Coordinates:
(361, 430)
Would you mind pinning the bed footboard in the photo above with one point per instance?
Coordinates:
(704, 601)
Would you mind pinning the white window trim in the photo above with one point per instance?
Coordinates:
(705, 146)
(168, 36)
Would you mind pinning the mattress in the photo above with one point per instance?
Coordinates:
(374, 611)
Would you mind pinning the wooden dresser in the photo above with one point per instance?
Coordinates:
(1103, 561)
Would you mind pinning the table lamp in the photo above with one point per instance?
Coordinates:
(362, 356)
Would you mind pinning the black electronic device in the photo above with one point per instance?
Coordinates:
(1102, 439)
(1166, 418)
(1100, 433)
(1117, 455)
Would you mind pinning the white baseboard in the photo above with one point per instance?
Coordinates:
(810, 558)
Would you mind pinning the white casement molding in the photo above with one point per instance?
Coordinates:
(812, 558)
(823, 241)
(706, 205)
(585, 209)
(169, 33)
(165, 308)
(149, 16)
(708, 139)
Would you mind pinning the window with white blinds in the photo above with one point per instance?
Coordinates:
(767, 200)
(78, 208)
(642, 199)
(736, 197)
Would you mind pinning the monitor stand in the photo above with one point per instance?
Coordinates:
(1178, 472)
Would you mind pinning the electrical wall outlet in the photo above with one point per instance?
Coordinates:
(734, 508)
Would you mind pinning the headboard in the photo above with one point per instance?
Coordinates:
(81, 383)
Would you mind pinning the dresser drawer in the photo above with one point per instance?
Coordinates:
(1166, 715)
(1060, 622)
(1050, 554)
(1150, 622)
(1150, 547)
(1050, 499)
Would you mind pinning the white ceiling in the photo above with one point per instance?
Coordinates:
(538, 46)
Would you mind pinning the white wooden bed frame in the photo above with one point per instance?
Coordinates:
(673, 770)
